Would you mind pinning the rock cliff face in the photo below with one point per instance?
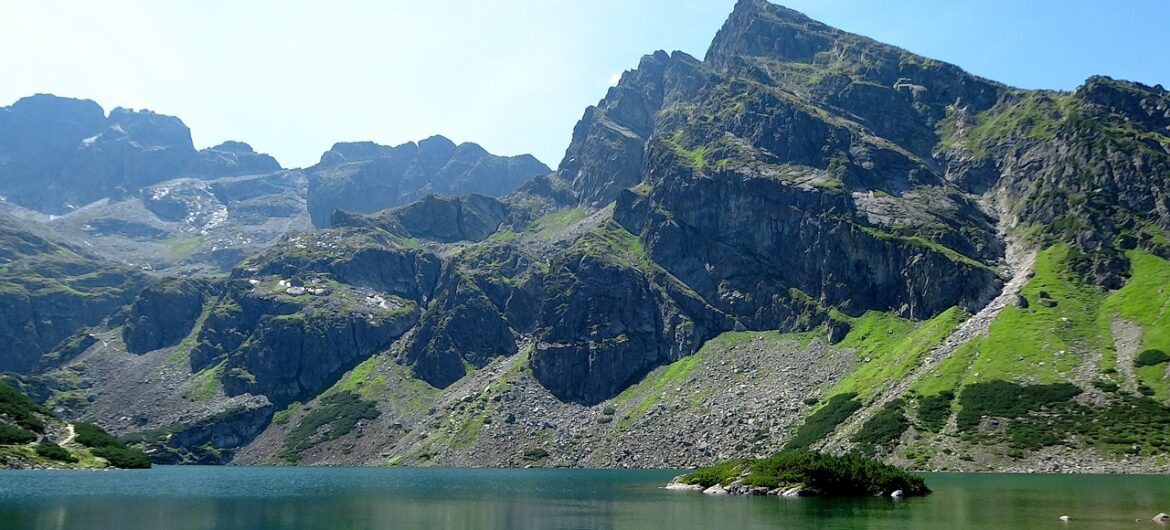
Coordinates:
(790, 173)
(230, 159)
(49, 292)
(444, 219)
(57, 154)
(163, 314)
(365, 177)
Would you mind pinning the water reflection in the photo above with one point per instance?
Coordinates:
(312, 498)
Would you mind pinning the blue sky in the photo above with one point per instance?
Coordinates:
(292, 77)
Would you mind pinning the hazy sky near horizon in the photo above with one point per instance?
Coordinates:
(293, 77)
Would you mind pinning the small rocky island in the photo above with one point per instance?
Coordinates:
(803, 473)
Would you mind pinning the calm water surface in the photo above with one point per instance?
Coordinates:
(346, 498)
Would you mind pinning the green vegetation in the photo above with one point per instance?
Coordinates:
(206, 383)
(1046, 343)
(91, 435)
(1036, 344)
(281, 417)
(1127, 424)
(817, 474)
(1005, 399)
(552, 223)
(889, 347)
(364, 379)
(21, 410)
(651, 387)
(123, 457)
(12, 434)
(340, 411)
(1150, 358)
(1036, 115)
(614, 244)
(1143, 301)
(921, 242)
(106, 446)
(821, 423)
(721, 473)
(53, 451)
(181, 247)
(535, 453)
(934, 409)
(883, 429)
(694, 158)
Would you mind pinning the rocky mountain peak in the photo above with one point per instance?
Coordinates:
(365, 177)
(232, 146)
(759, 28)
(343, 152)
(147, 127)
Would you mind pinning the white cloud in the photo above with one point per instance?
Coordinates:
(613, 79)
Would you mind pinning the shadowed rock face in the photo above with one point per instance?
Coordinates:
(57, 154)
(790, 172)
(445, 219)
(49, 292)
(163, 314)
(365, 177)
(230, 159)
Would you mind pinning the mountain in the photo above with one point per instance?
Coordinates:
(807, 239)
(50, 292)
(131, 187)
(364, 177)
(58, 154)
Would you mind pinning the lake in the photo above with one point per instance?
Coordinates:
(402, 498)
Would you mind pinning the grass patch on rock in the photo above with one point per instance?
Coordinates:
(334, 416)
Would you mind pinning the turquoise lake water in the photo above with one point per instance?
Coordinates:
(403, 498)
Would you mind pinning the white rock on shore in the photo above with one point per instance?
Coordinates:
(677, 484)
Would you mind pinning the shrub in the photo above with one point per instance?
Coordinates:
(609, 410)
(14, 434)
(535, 453)
(53, 451)
(92, 436)
(341, 411)
(933, 410)
(817, 474)
(721, 473)
(123, 457)
(1150, 358)
(604, 419)
(822, 422)
(1008, 400)
(22, 410)
(110, 448)
(1106, 386)
(883, 428)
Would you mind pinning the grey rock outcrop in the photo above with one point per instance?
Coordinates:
(364, 177)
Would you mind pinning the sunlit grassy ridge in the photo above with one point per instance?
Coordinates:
(889, 347)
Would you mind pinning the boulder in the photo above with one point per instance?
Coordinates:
(678, 485)
(715, 490)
